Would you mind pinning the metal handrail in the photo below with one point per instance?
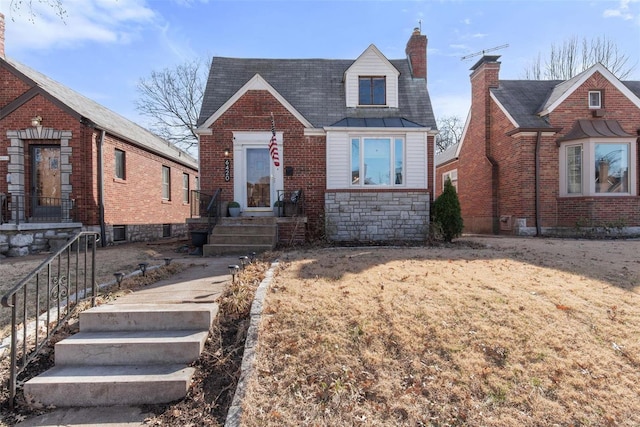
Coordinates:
(17, 208)
(50, 283)
(213, 209)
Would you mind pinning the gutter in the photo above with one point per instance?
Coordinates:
(103, 233)
(537, 184)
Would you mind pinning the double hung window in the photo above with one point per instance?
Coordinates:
(372, 91)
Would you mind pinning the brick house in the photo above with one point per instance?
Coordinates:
(548, 157)
(356, 136)
(71, 164)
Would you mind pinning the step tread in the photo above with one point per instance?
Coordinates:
(106, 337)
(79, 374)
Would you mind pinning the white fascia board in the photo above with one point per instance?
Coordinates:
(464, 133)
(314, 132)
(598, 67)
(504, 110)
(255, 83)
(532, 133)
(204, 131)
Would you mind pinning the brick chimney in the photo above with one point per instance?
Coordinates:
(416, 51)
(485, 74)
(2, 36)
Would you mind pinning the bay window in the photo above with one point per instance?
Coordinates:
(377, 161)
(592, 168)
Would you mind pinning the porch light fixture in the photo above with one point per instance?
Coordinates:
(36, 121)
(233, 270)
(119, 276)
(226, 152)
(143, 267)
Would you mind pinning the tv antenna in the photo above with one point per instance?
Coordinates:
(482, 52)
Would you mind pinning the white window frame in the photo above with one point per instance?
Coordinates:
(594, 106)
(166, 182)
(453, 176)
(362, 143)
(185, 188)
(371, 79)
(588, 167)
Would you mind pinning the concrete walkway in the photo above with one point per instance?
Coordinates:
(203, 281)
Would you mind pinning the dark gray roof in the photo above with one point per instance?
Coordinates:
(524, 98)
(391, 122)
(595, 129)
(104, 118)
(634, 86)
(315, 88)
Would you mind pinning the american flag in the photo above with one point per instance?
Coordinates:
(273, 144)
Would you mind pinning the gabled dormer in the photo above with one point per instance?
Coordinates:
(371, 81)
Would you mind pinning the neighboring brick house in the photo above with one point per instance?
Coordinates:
(72, 164)
(548, 157)
(356, 136)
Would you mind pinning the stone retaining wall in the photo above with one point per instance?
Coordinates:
(373, 216)
(28, 239)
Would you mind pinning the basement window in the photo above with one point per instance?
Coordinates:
(119, 233)
(166, 230)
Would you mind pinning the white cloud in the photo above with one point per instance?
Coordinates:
(624, 11)
(466, 21)
(102, 21)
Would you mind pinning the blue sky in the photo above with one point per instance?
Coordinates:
(104, 47)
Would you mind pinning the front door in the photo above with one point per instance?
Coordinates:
(256, 179)
(46, 182)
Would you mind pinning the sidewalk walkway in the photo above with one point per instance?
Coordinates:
(203, 281)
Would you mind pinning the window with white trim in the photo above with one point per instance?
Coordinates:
(377, 161)
(372, 90)
(451, 175)
(166, 183)
(598, 168)
(595, 99)
(185, 188)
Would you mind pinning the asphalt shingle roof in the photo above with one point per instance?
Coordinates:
(315, 88)
(104, 118)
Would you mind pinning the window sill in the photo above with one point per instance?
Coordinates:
(166, 202)
(371, 106)
(119, 180)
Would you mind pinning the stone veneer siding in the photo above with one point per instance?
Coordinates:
(373, 216)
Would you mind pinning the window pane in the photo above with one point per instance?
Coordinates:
(399, 162)
(185, 187)
(377, 161)
(355, 161)
(166, 183)
(119, 156)
(365, 91)
(378, 91)
(612, 168)
(574, 169)
(594, 99)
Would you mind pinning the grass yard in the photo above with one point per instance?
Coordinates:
(484, 332)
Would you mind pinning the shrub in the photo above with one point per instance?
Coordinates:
(446, 213)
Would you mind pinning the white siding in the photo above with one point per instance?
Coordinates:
(416, 158)
(338, 160)
(370, 63)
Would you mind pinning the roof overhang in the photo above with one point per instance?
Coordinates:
(257, 82)
(586, 129)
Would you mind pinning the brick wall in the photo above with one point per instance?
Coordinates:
(306, 154)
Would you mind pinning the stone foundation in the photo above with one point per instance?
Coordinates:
(371, 216)
(26, 239)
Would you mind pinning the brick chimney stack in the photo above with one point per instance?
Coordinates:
(485, 74)
(416, 51)
(2, 36)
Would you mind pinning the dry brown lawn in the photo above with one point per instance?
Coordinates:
(484, 332)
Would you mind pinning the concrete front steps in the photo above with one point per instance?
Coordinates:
(242, 235)
(125, 354)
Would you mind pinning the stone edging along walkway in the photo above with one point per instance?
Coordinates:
(248, 358)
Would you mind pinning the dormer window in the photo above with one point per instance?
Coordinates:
(595, 99)
(372, 90)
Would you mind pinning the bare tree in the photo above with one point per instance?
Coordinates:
(450, 128)
(574, 56)
(172, 99)
(16, 5)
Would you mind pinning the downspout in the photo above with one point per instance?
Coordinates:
(537, 184)
(103, 233)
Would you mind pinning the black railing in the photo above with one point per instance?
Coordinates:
(290, 203)
(42, 302)
(17, 209)
(204, 205)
